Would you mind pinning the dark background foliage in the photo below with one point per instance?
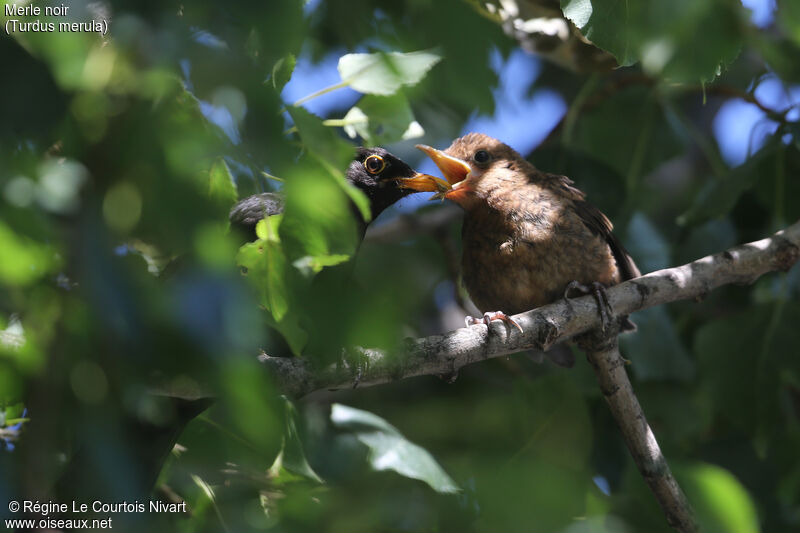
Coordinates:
(123, 304)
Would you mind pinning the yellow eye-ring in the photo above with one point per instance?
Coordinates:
(374, 164)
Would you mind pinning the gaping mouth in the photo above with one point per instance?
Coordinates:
(455, 170)
(424, 183)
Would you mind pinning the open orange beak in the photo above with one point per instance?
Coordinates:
(424, 183)
(455, 170)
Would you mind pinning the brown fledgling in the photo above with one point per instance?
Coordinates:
(528, 236)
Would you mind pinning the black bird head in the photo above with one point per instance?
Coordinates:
(383, 177)
(386, 179)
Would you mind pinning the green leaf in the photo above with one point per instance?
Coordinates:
(282, 71)
(382, 73)
(318, 216)
(333, 152)
(788, 17)
(266, 266)
(382, 120)
(630, 133)
(309, 265)
(320, 140)
(390, 450)
(721, 502)
(720, 195)
(24, 261)
(292, 457)
(685, 40)
(221, 185)
(728, 380)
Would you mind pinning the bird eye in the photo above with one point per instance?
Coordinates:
(481, 157)
(374, 164)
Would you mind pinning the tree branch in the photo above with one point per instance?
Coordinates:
(446, 354)
(543, 327)
(602, 351)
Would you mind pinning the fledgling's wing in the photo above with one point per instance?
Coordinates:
(596, 221)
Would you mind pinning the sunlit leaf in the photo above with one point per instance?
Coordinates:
(381, 120)
(309, 264)
(221, 185)
(266, 265)
(333, 152)
(721, 502)
(24, 261)
(382, 73)
(389, 450)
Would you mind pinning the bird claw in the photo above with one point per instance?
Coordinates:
(598, 290)
(488, 317)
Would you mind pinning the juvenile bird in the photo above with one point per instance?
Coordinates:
(529, 237)
(381, 176)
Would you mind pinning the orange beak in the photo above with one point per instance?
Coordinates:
(424, 183)
(455, 170)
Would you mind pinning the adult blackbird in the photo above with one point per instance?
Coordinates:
(381, 176)
(529, 237)
(384, 179)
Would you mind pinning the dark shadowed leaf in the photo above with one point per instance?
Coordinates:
(655, 350)
(293, 458)
(282, 71)
(389, 450)
(687, 40)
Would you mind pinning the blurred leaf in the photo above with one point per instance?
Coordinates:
(333, 152)
(266, 265)
(221, 185)
(382, 73)
(553, 418)
(389, 450)
(650, 251)
(24, 261)
(726, 350)
(706, 239)
(319, 219)
(788, 17)
(293, 458)
(629, 132)
(309, 265)
(655, 350)
(282, 71)
(255, 410)
(687, 40)
(720, 501)
(719, 195)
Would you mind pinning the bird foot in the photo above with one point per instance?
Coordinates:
(488, 317)
(596, 289)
